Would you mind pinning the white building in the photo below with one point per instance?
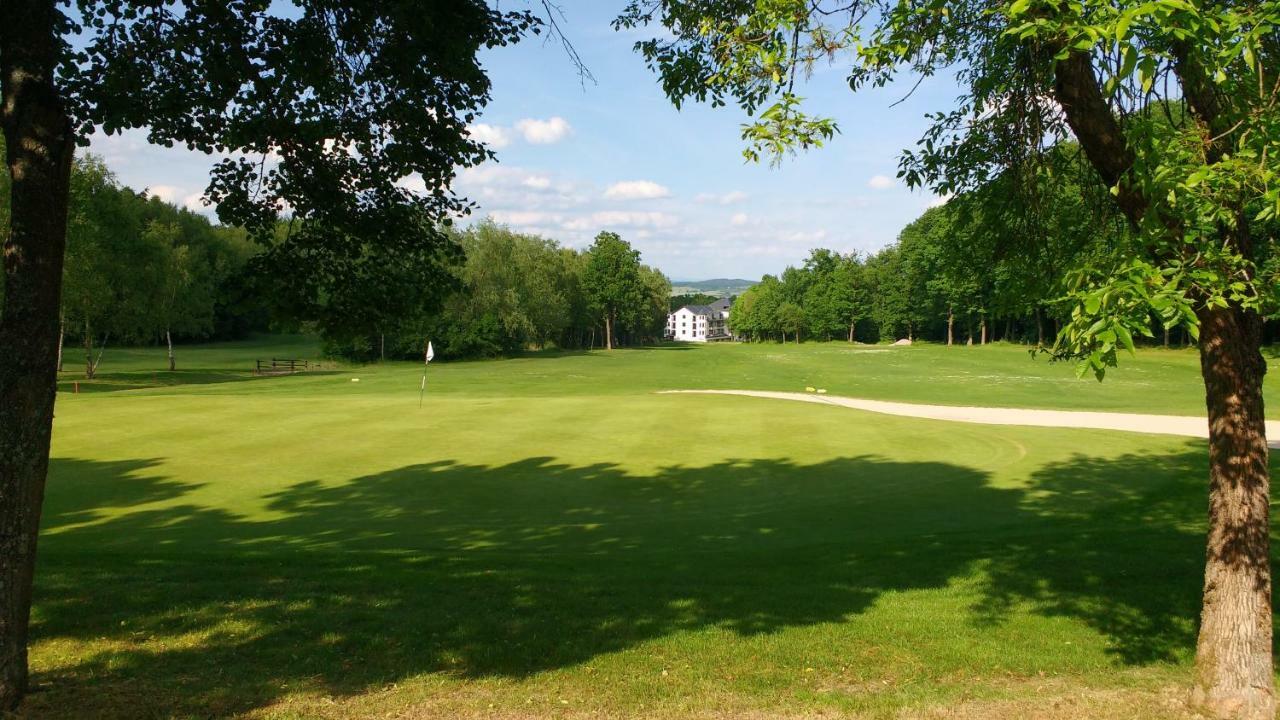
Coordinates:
(700, 323)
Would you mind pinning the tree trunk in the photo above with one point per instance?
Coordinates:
(1039, 328)
(173, 365)
(1166, 337)
(89, 365)
(608, 331)
(1233, 653)
(382, 348)
(983, 341)
(852, 325)
(62, 333)
(951, 321)
(39, 148)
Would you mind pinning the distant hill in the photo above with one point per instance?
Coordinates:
(719, 287)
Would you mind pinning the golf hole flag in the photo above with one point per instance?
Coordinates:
(427, 356)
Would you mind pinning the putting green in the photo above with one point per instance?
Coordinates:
(549, 536)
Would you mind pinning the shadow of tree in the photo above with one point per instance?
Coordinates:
(1122, 549)
(146, 379)
(507, 571)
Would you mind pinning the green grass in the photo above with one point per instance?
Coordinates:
(548, 537)
(1155, 381)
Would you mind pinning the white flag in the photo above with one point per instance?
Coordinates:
(431, 352)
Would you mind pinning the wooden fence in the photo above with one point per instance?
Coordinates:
(278, 366)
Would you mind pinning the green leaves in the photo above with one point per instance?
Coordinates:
(1110, 306)
(1187, 136)
(783, 129)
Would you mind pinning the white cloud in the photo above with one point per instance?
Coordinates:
(623, 218)
(739, 219)
(800, 236)
(544, 132)
(167, 193)
(537, 182)
(729, 198)
(195, 203)
(525, 217)
(608, 219)
(880, 182)
(940, 200)
(636, 190)
(491, 135)
(413, 183)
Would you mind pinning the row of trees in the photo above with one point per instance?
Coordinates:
(140, 270)
(825, 298)
(990, 264)
(507, 292)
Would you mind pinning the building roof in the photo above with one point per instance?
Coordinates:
(722, 304)
(701, 309)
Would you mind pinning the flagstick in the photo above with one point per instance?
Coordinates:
(422, 390)
(427, 354)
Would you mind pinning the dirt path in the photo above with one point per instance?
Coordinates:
(1127, 422)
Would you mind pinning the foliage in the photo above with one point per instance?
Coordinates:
(137, 267)
(1182, 133)
(612, 280)
(510, 292)
(678, 301)
(347, 119)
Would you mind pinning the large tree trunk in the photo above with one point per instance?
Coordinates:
(951, 321)
(173, 364)
(984, 331)
(39, 146)
(1233, 654)
(608, 331)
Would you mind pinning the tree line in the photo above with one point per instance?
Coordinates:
(140, 270)
(990, 264)
(507, 291)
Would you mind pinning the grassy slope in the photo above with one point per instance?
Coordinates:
(549, 537)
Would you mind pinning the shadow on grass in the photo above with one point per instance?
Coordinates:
(143, 380)
(507, 571)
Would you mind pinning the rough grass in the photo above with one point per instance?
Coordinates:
(548, 538)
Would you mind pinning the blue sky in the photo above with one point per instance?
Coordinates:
(616, 155)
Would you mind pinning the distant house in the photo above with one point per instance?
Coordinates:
(700, 323)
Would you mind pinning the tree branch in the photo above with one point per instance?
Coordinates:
(1076, 88)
